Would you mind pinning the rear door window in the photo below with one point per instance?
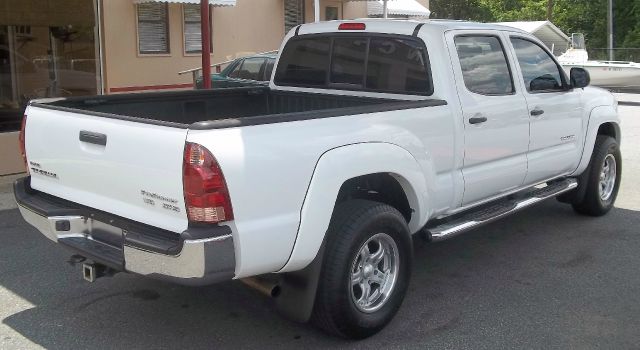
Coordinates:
(388, 64)
(484, 65)
(251, 68)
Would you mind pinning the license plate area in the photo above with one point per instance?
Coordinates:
(106, 233)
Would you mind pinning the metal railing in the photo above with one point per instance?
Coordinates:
(619, 54)
(217, 67)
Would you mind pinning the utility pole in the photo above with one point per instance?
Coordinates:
(385, 9)
(550, 10)
(206, 42)
(610, 29)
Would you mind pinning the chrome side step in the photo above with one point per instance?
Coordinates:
(451, 227)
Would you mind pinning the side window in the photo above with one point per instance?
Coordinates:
(250, 69)
(236, 70)
(399, 66)
(269, 69)
(484, 65)
(539, 71)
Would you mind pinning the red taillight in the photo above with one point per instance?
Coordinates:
(205, 190)
(21, 142)
(352, 26)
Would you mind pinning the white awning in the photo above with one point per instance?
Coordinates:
(546, 31)
(410, 8)
(211, 2)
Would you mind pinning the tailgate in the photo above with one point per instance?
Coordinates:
(126, 168)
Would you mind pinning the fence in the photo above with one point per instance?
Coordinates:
(619, 54)
(217, 67)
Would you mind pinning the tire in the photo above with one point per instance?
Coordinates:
(353, 224)
(601, 190)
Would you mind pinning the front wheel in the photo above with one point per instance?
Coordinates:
(603, 180)
(365, 271)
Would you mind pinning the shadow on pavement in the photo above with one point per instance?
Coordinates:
(543, 278)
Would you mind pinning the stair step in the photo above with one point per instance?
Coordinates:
(445, 228)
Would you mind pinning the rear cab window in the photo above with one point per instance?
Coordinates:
(374, 63)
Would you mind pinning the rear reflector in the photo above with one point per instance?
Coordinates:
(21, 142)
(205, 190)
(352, 26)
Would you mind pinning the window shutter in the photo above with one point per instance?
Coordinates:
(153, 28)
(192, 32)
(192, 29)
(293, 14)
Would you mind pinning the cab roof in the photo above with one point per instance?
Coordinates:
(400, 26)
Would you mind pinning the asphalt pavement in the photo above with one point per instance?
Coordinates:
(544, 278)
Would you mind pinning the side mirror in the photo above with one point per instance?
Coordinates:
(543, 83)
(579, 77)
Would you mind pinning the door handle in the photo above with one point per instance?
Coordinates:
(477, 120)
(537, 112)
(93, 137)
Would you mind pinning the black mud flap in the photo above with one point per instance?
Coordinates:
(298, 290)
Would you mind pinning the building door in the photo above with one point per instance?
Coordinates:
(47, 49)
(45, 53)
(8, 91)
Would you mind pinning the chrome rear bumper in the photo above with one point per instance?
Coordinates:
(195, 257)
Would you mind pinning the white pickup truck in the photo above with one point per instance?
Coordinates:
(370, 132)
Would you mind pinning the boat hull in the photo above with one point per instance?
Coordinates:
(610, 75)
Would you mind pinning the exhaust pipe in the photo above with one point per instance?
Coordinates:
(264, 285)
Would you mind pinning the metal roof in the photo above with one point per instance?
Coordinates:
(546, 31)
(410, 8)
(211, 2)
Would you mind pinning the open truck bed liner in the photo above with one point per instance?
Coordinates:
(224, 108)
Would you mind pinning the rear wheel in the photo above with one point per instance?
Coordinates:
(603, 180)
(365, 271)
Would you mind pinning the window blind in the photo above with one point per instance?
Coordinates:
(153, 28)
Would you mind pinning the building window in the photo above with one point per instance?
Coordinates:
(330, 13)
(153, 28)
(192, 28)
(293, 14)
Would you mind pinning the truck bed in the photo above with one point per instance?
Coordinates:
(222, 108)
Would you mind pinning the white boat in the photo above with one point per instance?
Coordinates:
(614, 74)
